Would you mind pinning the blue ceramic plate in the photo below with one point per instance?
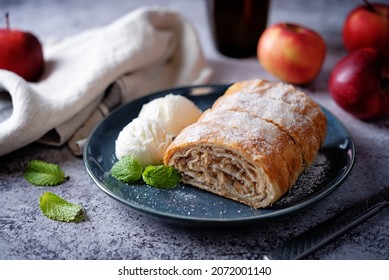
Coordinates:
(191, 206)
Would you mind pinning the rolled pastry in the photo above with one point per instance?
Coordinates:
(253, 143)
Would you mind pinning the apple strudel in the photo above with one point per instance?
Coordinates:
(253, 143)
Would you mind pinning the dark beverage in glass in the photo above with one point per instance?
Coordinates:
(237, 25)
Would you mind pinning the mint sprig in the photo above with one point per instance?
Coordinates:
(161, 176)
(41, 173)
(127, 170)
(58, 209)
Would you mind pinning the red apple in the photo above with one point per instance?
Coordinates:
(367, 26)
(292, 53)
(359, 83)
(21, 52)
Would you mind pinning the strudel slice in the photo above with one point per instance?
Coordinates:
(252, 144)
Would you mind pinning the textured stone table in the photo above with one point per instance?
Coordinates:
(114, 231)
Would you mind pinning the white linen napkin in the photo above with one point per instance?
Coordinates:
(88, 74)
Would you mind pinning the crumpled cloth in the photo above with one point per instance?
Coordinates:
(89, 74)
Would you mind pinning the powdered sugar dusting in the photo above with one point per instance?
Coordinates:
(310, 181)
(286, 93)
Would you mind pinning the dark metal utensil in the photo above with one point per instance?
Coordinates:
(321, 234)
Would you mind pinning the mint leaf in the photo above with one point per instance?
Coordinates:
(58, 209)
(127, 170)
(161, 176)
(40, 173)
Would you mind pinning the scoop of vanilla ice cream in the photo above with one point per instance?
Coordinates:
(144, 139)
(174, 112)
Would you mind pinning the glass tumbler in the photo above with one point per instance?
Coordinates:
(237, 25)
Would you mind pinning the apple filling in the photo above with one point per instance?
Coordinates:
(223, 172)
